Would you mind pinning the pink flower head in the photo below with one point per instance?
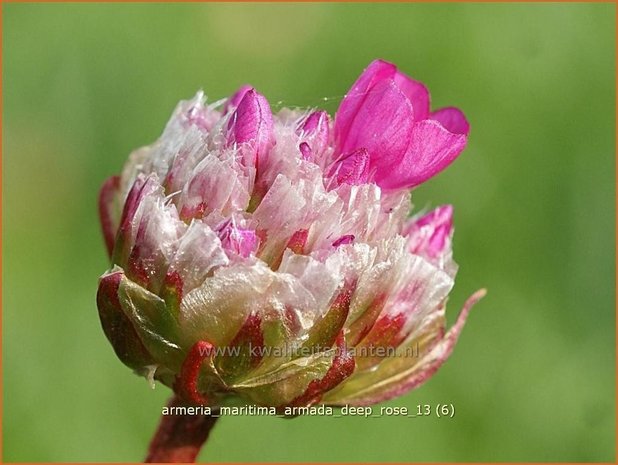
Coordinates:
(388, 114)
(281, 244)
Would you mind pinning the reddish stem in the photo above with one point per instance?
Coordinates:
(179, 438)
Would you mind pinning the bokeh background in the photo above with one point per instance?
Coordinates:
(533, 376)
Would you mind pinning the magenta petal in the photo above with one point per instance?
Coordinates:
(344, 240)
(244, 242)
(417, 93)
(382, 125)
(352, 168)
(429, 234)
(377, 71)
(142, 187)
(432, 148)
(387, 113)
(314, 134)
(252, 124)
(440, 216)
(452, 119)
(251, 118)
(232, 102)
(305, 151)
(315, 122)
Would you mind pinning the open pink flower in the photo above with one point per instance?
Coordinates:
(388, 114)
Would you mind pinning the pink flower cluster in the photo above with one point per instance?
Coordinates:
(240, 227)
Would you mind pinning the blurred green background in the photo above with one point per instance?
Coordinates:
(533, 376)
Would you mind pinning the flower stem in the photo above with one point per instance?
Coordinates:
(179, 438)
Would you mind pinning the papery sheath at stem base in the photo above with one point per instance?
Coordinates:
(179, 438)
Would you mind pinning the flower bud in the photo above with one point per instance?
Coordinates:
(251, 128)
(314, 134)
(232, 103)
(430, 234)
(387, 113)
